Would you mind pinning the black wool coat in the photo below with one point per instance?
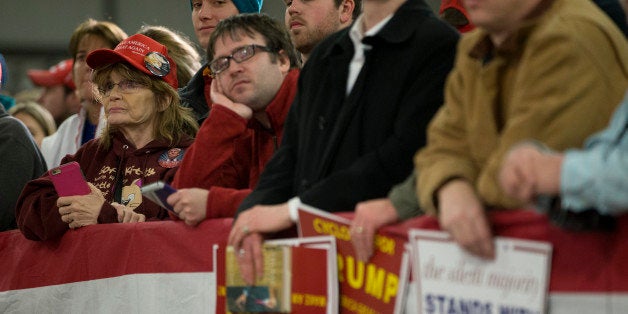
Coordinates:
(341, 149)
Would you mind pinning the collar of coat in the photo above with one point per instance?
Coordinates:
(401, 27)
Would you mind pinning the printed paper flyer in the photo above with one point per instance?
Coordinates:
(450, 280)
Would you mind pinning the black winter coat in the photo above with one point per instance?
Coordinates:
(339, 150)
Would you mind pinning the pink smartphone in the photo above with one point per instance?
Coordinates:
(68, 180)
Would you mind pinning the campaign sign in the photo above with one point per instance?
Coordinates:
(450, 280)
(377, 286)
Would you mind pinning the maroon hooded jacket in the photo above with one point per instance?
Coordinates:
(38, 215)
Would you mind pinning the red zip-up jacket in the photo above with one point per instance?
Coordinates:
(230, 152)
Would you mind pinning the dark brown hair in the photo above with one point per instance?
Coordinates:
(357, 9)
(274, 33)
(108, 31)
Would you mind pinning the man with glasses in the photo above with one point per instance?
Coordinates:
(255, 70)
(366, 95)
(205, 16)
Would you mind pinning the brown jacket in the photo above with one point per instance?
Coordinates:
(556, 80)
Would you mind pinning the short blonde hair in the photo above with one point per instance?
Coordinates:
(39, 114)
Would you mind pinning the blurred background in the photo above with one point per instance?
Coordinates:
(34, 34)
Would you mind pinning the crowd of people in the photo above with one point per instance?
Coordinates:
(383, 108)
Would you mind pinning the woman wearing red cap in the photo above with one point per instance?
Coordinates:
(137, 86)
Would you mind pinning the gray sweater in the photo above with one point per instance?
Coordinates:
(21, 162)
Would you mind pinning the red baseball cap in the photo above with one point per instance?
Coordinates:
(457, 5)
(58, 74)
(142, 53)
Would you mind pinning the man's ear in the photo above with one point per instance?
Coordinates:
(346, 11)
(284, 61)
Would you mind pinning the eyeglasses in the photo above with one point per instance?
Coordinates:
(124, 86)
(238, 55)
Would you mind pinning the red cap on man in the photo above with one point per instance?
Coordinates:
(142, 53)
(58, 74)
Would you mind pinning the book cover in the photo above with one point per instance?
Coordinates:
(271, 294)
(158, 192)
(314, 274)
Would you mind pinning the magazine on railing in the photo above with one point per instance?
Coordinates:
(300, 276)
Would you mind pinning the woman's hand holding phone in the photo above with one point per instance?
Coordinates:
(81, 210)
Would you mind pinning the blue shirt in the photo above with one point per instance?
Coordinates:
(597, 176)
(89, 131)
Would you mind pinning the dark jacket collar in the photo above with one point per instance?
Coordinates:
(193, 95)
(400, 28)
(403, 24)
